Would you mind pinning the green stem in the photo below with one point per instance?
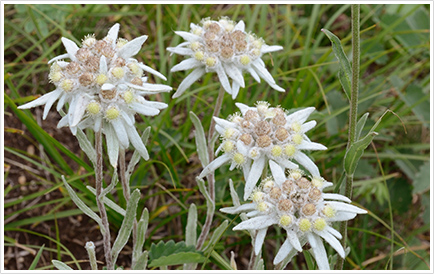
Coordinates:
(99, 202)
(355, 26)
(211, 180)
(127, 195)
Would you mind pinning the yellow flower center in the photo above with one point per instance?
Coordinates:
(295, 174)
(319, 224)
(257, 196)
(128, 96)
(285, 220)
(228, 146)
(118, 72)
(199, 55)
(195, 46)
(229, 132)
(245, 60)
(238, 158)
(101, 79)
(93, 108)
(55, 76)
(112, 113)
(67, 85)
(296, 126)
(262, 207)
(317, 182)
(297, 138)
(289, 150)
(304, 225)
(135, 69)
(276, 151)
(210, 61)
(329, 211)
(253, 153)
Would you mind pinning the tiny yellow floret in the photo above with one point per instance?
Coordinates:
(297, 138)
(320, 224)
(135, 69)
(304, 225)
(262, 207)
(228, 146)
(121, 42)
(285, 220)
(317, 182)
(55, 76)
(199, 55)
(93, 108)
(276, 151)
(101, 79)
(238, 158)
(244, 60)
(296, 126)
(112, 113)
(128, 96)
(89, 40)
(257, 196)
(197, 31)
(210, 61)
(253, 153)
(289, 150)
(295, 174)
(229, 132)
(195, 46)
(329, 211)
(118, 72)
(67, 85)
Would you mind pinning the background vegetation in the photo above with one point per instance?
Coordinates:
(392, 178)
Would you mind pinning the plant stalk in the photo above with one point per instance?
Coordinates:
(355, 26)
(210, 177)
(126, 190)
(99, 202)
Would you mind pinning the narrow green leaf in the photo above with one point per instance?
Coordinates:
(190, 229)
(215, 237)
(355, 152)
(142, 226)
(127, 225)
(36, 259)
(61, 265)
(199, 135)
(360, 125)
(345, 71)
(209, 203)
(109, 202)
(86, 146)
(142, 261)
(136, 156)
(81, 205)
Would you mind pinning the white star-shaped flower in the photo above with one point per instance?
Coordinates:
(262, 133)
(104, 88)
(299, 206)
(225, 48)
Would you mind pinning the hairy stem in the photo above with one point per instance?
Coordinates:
(355, 26)
(211, 179)
(126, 191)
(99, 202)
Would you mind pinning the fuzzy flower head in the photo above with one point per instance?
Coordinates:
(264, 133)
(104, 87)
(225, 48)
(298, 205)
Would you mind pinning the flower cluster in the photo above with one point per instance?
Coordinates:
(298, 205)
(104, 87)
(262, 133)
(226, 48)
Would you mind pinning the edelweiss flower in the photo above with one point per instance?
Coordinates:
(299, 206)
(262, 133)
(225, 48)
(104, 88)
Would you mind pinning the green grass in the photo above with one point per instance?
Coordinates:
(395, 65)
